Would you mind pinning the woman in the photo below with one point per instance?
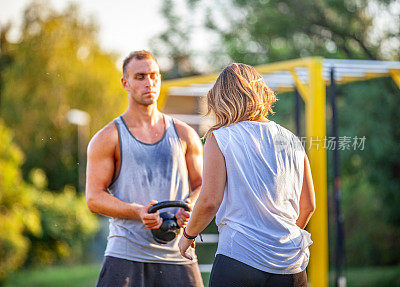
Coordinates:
(257, 176)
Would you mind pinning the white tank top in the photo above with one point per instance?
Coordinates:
(257, 216)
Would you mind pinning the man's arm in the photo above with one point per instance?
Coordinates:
(193, 149)
(99, 173)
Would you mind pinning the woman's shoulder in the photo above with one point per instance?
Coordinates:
(245, 128)
(289, 138)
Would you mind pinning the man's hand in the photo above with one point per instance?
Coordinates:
(150, 220)
(182, 216)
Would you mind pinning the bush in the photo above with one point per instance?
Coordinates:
(37, 226)
(370, 241)
(17, 211)
(67, 226)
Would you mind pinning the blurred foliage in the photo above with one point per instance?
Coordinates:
(369, 239)
(259, 32)
(37, 226)
(172, 43)
(57, 65)
(371, 177)
(67, 226)
(371, 109)
(17, 211)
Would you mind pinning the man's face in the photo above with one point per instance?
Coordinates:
(142, 81)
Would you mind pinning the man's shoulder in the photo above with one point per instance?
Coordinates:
(185, 131)
(188, 136)
(105, 138)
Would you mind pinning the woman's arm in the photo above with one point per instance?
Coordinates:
(211, 194)
(307, 197)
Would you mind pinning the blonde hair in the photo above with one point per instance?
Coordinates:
(239, 94)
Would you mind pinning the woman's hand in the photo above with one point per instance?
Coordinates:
(184, 244)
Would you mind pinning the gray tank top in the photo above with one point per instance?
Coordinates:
(147, 172)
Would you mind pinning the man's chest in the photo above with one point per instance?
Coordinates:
(148, 135)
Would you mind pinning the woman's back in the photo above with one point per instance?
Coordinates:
(257, 182)
(258, 213)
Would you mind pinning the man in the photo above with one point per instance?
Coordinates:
(141, 158)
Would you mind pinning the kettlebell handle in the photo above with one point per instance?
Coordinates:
(165, 204)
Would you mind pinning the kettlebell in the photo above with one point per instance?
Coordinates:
(169, 229)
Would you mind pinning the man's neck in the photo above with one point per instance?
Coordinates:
(141, 115)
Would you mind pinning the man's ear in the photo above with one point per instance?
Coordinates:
(124, 82)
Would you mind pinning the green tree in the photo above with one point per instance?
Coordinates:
(57, 65)
(5, 56)
(370, 109)
(17, 211)
(258, 32)
(67, 226)
(174, 43)
(37, 226)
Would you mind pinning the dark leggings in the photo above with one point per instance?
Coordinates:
(228, 272)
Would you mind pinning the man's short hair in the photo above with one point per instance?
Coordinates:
(138, 55)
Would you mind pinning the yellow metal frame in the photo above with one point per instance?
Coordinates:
(395, 76)
(313, 94)
(182, 82)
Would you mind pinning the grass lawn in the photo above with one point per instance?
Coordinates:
(57, 276)
(86, 275)
(62, 276)
(373, 277)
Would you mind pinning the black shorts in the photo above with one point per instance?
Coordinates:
(228, 272)
(117, 272)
